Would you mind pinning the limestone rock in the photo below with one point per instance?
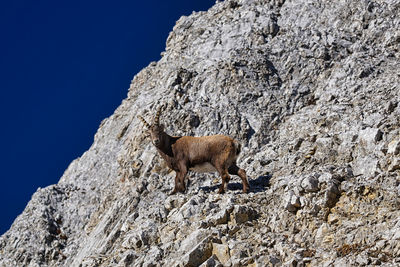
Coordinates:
(211, 262)
(199, 254)
(310, 184)
(292, 202)
(394, 147)
(221, 251)
(241, 214)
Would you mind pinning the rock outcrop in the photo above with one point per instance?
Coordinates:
(310, 88)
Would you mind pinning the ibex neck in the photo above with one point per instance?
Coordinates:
(166, 148)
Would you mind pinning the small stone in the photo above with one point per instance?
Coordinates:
(220, 218)
(376, 262)
(367, 166)
(333, 218)
(395, 165)
(380, 244)
(394, 147)
(303, 201)
(369, 136)
(241, 214)
(362, 259)
(274, 260)
(322, 231)
(194, 120)
(310, 184)
(331, 195)
(390, 107)
(233, 229)
(396, 234)
(325, 177)
(292, 263)
(315, 209)
(291, 201)
(128, 257)
(153, 256)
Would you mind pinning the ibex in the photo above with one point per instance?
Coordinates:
(200, 154)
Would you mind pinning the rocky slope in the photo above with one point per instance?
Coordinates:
(310, 88)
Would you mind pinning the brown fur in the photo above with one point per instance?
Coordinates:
(183, 153)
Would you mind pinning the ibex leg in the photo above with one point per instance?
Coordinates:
(235, 170)
(182, 174)
(225, 179)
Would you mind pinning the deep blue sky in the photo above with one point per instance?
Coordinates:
(64, 67)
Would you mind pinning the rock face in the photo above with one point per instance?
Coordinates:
(310, 88)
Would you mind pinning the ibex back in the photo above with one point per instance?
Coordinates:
(200, 154)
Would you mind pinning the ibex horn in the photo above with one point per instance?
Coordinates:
(144, 121)
(157, 117)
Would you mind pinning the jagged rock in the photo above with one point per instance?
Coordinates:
(241, 214)
(211, 262)
(199, 254)
(362, 259)
(221, 217)
(291, 201)
(394, 165)
(394, 147)
(128, 258)
(221, 251)
(369, 136)
(310, 88)
(310, 184)
(153, 257)
(367, 166)
(331, 195)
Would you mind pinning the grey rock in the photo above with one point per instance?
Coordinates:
(221, 251)
(394, 147)
(241, 214)
(367, 166)
(369, 136)
(394, 165)
(310, 184)
(362, 259)
(153, 257)
(331, 195)
(199, 254)
(211, 262)
(193, 239)
(221, 217)
(325, 177)
(291, 201)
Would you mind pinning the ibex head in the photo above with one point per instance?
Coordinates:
(156, 130)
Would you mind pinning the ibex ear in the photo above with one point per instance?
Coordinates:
(161, 127)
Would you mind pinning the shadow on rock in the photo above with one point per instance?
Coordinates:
(260, 184)
(256, 185)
